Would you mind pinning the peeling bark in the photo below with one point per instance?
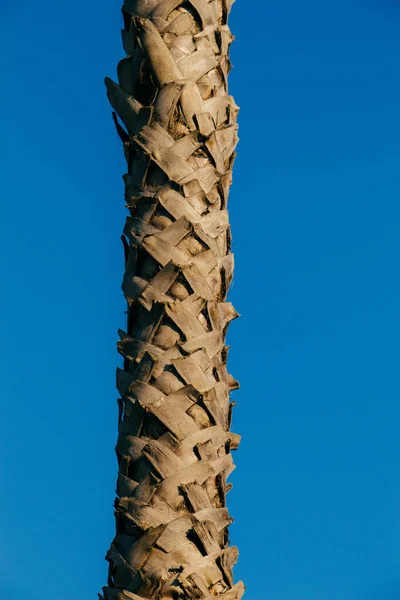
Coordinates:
(178, 127)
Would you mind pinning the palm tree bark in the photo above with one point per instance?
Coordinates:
(174, 446)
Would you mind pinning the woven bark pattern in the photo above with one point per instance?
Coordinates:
(174, 447)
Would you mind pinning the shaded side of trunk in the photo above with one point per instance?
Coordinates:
(174, 446)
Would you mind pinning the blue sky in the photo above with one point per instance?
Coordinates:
(315, 217)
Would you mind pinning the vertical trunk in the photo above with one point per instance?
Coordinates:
(174, 445)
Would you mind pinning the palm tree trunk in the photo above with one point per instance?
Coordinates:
(174, 445)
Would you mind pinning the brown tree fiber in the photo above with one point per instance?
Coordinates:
(174, 447)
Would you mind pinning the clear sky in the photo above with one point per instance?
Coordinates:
(316, 220)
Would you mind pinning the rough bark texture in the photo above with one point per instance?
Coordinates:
(174, 445)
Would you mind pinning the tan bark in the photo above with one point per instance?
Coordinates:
(174, 445)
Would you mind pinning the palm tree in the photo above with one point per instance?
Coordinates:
(174, 446)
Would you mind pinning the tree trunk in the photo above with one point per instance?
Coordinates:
(174, 445)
